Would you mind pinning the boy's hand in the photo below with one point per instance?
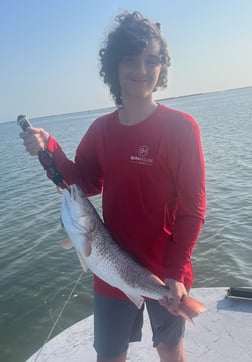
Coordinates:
(34, 139)
(177, 290)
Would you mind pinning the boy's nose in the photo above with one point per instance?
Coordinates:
(140, 66)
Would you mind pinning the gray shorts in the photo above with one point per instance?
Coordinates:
(119, 322)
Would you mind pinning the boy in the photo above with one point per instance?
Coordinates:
(147, 161)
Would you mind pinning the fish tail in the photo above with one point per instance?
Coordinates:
(190, 308)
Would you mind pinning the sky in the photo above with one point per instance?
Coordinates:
(49, 50)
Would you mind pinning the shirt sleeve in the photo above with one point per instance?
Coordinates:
(84, 170)
(188, 170)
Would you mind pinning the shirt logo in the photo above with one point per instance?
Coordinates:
(143, 151)
(142, 156)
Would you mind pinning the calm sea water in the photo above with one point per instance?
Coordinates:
(39, 281)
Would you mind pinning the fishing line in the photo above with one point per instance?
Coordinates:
(59, 316)
(54, 297)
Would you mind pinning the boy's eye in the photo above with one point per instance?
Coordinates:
(151, 60)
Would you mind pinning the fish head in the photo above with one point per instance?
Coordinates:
(75, 215)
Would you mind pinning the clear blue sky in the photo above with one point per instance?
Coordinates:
(49, 50)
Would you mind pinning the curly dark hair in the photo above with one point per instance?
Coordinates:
(130, 37)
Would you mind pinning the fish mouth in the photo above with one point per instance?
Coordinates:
(61, 222)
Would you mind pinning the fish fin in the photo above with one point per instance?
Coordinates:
(66, 244)
(136, 299)
(157, 279)
(87, 247)
(190, 308)
(82, 261)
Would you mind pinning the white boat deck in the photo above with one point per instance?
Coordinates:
(221, 334)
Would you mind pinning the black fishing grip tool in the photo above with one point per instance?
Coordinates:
(44, 156)
(23, 122)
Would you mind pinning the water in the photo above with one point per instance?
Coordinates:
(37, 276)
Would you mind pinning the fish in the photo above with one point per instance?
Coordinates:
(103, 256)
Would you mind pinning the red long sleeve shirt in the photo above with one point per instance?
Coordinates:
(152, 179)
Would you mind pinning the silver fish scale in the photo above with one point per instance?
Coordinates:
(107, 260)
(113, 260)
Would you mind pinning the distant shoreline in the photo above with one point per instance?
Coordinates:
(113, 107)
(203, 93)
(158, 100)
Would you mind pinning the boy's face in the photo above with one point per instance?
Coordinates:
(138, 74)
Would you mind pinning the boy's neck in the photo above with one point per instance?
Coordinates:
(135, 111)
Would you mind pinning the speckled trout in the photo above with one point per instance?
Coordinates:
(98, 251)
